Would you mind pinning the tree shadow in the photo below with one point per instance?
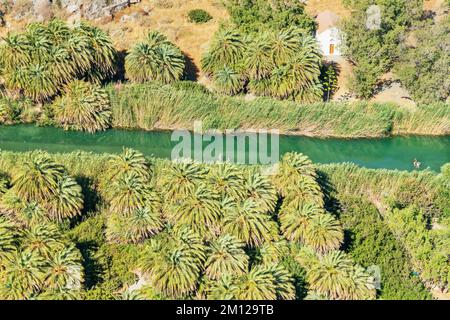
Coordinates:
(93, 270)
(90, 196)
(191, 71)
(120, 65)
(324, 78)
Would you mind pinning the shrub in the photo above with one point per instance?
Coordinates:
(199, 16)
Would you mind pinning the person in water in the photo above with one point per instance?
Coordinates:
(416, 163)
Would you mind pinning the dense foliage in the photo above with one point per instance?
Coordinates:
(218, 234)
(283, 64)
(155, 59)
(374, 49)
(84, 106)
(423, 66)
(404, 232)
(370, 243)
(262, 15)
(39, 62)
(152, 106)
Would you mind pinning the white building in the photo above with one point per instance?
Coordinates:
(328, 34)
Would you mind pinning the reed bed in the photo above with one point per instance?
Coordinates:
(152, 106)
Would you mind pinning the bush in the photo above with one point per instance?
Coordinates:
(369, 242)
(199, 16)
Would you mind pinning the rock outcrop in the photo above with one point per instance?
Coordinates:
(92, 9)
(87, 9)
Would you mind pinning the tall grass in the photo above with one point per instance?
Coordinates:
(425, 189)
(152, 106)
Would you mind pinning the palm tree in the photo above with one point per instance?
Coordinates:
(40, 61)
(127, 162)
(284, 44)
(324, 233)
(284, 282)
(13, 52)
(171, 63)
(84, 106)
(296, 179)
(245, 221)
(227, 48)
(223, 288)
(64, 269)
(128, 193)
(140, 225)
(265, 283)
(102, 52)
(155, 59)
(174, 268)
(67, 202)
(227, 181)
(260, 189)
(37, 178)
(329, 276)
(22, 212)
(36, 80)
(43, 240)
(295, 220)
(23, 276)
(258, 60)
(200, 210)
(363, 287)
(270, 253)
(226, 256)
(8, 235)
(177, 180)
(228, 81)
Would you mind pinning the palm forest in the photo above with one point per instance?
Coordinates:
(126, 226)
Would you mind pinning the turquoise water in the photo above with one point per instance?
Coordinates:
(390, 153)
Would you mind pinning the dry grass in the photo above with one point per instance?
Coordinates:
(314, 7)
(169, 17)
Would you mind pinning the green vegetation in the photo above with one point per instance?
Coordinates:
(155, 59)
(283, 64)
(267, 50)
(261, 15)
(218, 233)
(199, 16)
(395, 230)
(39, 62)
(371, 243)
(83, 106)
(229, 226)
(375, 50)
(152, 106)
(422, 68)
